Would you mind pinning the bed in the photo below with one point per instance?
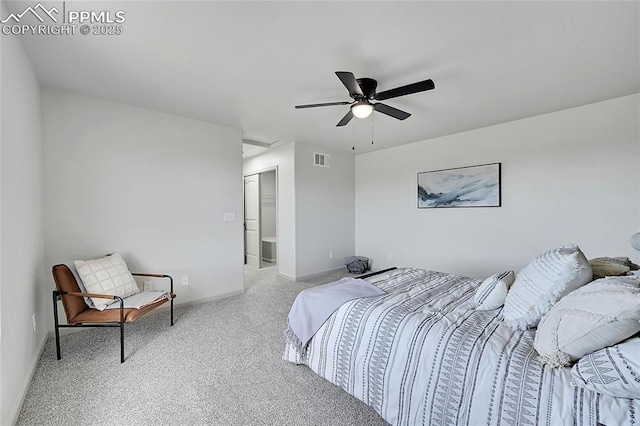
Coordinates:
(422, 354)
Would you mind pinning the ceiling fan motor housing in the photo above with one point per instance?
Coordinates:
(368, 87)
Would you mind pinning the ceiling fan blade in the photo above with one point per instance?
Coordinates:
(350, 82)
(322, 105)
(391, 111)
(347, 118)
(420, 86)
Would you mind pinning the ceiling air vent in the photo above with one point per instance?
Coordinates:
(321, 160)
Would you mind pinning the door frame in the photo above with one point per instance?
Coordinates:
(255, 257)
(244, 249)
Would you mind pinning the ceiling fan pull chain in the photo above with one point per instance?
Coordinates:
(372, 130)
(353, 136)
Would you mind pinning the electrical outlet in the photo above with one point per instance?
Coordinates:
(330, 255)
(33, 318)
(147, 286)
(185, 280)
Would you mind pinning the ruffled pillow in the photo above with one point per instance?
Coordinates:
(600, 314)
(542, 282)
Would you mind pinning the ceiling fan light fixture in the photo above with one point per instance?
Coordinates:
(363, 90)
(362, 109)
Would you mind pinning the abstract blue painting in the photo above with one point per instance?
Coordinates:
(474, 186)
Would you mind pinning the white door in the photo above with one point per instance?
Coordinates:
(252, 235)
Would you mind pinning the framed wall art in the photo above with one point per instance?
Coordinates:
(473, 186)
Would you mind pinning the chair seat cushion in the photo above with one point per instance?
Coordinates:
(92, 316)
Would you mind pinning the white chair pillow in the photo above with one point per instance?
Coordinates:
(492, 292)
(542, 282)
(613, 371)
(600, 314)
(107, 275)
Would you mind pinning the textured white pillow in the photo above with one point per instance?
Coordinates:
(600, 314)
(107, 275)
(613, 371)
(542, 282)
(492, 292)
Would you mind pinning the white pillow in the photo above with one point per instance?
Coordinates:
(542, 282)
(613, 371)
(492, 292)
(600, 314)
(107, 275)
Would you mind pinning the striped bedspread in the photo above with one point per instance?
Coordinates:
(422, 355)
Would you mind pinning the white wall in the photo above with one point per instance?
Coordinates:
(325, 210)
(22, 291)
(148, 185)
(569, 176)
(316, 207)
(283, 158)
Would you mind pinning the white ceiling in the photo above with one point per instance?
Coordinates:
(246, 64)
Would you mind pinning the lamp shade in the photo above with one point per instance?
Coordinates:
(362, 109)
(635, 241)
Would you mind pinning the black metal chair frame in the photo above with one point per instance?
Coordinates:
(56, 294)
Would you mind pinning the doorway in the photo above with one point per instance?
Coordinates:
(260, 219)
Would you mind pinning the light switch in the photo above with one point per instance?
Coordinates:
(229, 217)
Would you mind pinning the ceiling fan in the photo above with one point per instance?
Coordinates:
(363, 92)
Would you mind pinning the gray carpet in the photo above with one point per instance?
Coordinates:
(220, 364)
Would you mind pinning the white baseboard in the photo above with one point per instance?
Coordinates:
(15, 411)
(317, 274)
(208, 299)
(287, 276)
